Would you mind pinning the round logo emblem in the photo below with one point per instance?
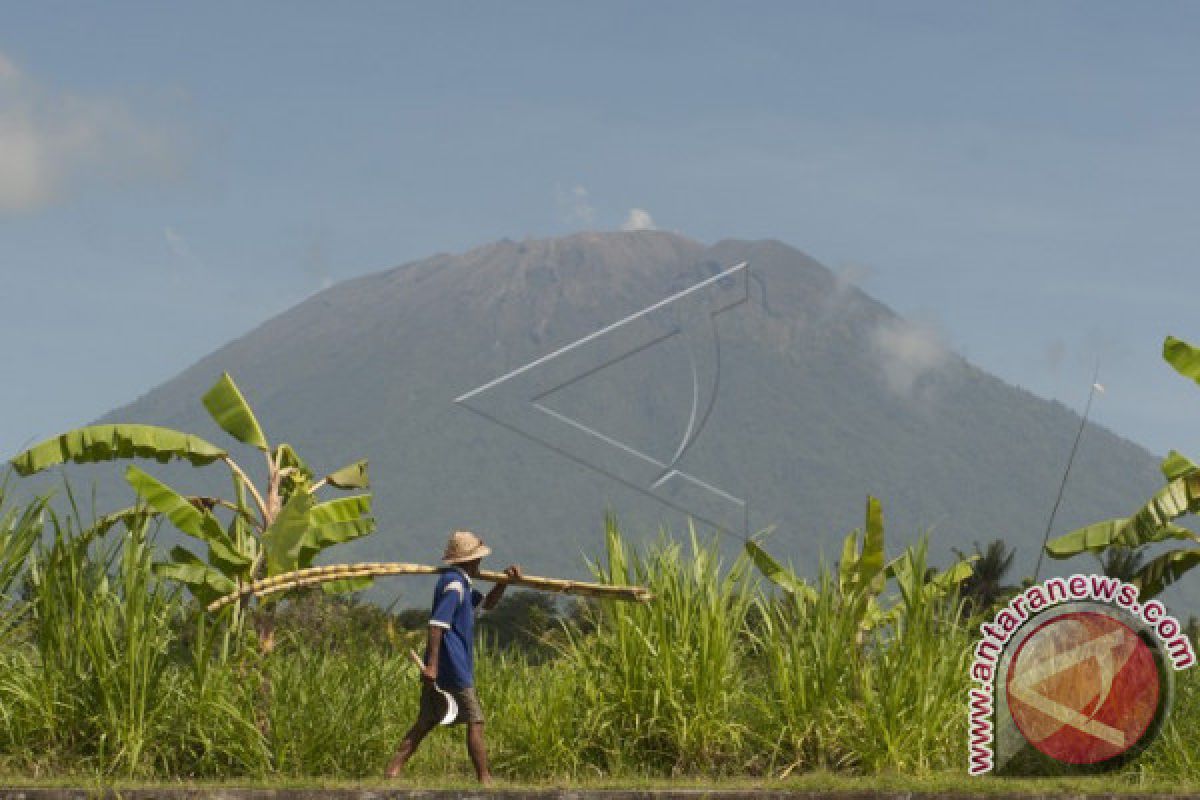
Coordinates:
(1083, 688)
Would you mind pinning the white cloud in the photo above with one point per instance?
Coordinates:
(575, 206)
(908, 351)
(638, 220)
(51, 141)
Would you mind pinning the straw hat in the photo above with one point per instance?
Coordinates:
(464, 546)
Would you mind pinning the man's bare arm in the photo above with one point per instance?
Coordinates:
(493, 597)
(435, 650)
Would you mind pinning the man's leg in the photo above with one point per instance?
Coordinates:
(408, 746)
(428, 714)
(478, 751)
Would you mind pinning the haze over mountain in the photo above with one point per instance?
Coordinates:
(825, 395)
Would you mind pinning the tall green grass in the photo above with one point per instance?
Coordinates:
(109, 672)
(664, 683)
(20, 529)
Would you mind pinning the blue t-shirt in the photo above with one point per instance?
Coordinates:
(454, 602)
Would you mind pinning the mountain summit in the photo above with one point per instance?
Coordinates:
(825, 395)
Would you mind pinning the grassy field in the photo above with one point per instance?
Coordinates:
(820, 781)
(108, 675)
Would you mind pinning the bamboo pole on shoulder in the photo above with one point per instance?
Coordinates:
(314, 576)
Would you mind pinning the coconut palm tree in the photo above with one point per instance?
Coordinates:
(1122, 562)
(985, 588)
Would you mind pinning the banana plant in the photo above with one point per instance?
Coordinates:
(1154, 522)
(270, 530)
(863, 574)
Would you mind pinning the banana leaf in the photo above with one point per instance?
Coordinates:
(287, 456)
(109, 442)
(1099, 536)
(1180, 496)
(778, 574)
(229, 408)
(916, 588)
(1183, 357)
(284, 539)
(206, 583)
(867, 569)
(186, 517)
(847, 562)
(953, 576)
(351, 476)
(343, 509)
(1176, 465)
(335, 522)
(1164, 570)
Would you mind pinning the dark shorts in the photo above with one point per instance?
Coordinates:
(433, 706)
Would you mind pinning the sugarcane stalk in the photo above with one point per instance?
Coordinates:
(314, 576)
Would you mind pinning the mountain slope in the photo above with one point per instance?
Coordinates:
(825, 395)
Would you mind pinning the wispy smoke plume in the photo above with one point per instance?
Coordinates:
(908, 351)
(638, 219)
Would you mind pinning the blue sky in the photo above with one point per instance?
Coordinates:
(1022, 178)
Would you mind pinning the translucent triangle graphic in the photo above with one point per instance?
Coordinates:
(514, 400)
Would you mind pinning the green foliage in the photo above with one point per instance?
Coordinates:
(783, 577)
(97, 443)
(118, 676)
(863, 573)
(1183, 357)
(19, 531)
(286, 529)
(803, 647)
(523, 620)
(912, 686)
(344, 624)
(352, 476)
(337, 715)
(986, 587)
(1155, 521)
(284, 537)
(663, 682)
(101, 627)
(1161, 571)
(230, 410)
(1122, 563)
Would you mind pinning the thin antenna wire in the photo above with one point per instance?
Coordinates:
(1071, 460)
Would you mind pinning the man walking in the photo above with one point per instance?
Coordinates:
(450, 653)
